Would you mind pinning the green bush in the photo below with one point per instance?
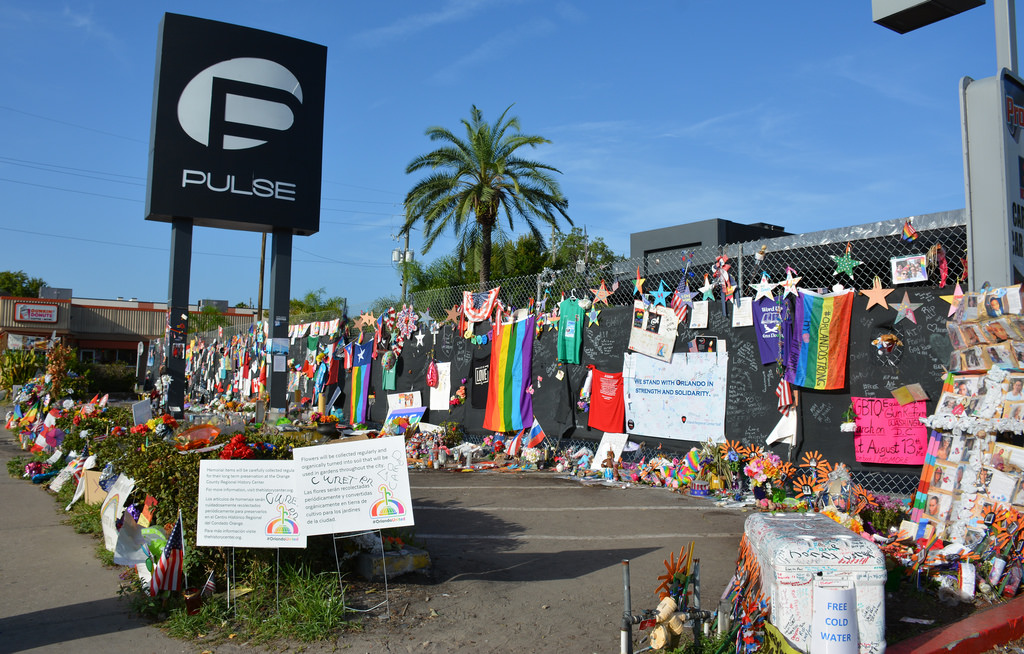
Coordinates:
(111, 378)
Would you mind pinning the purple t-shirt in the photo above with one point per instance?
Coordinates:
(768, 327)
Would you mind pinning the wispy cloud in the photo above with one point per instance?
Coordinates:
(494, 48)
(89, 26)
(873, 76)
(452, 11)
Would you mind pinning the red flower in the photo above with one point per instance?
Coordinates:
(237, 448)
(77, 420)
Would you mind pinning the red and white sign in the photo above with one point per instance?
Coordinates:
(25, 312)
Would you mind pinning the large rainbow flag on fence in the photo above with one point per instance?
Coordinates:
(817, 340)
(509, 404)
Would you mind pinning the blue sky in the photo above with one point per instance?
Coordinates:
(801, 114)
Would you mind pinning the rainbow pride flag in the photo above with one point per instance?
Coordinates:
(817, 340)
(509, 404)
(359, 393)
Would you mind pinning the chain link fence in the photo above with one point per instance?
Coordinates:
(809, 256)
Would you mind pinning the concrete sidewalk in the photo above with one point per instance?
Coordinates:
(55, 595)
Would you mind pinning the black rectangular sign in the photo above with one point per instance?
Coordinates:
(237, 134)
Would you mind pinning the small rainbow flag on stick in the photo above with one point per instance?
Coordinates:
(909, 233)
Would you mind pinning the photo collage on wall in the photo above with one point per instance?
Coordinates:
(970, 480)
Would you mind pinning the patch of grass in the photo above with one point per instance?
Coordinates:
(84, 518)
(105, 556)
(311, 608)
(16, 465)
(716, 644)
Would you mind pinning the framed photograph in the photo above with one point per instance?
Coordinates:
(1000, 329)
(1001, 355)
(974, 359)
(955, 337)
(966, 385)
(906, 270)
(951, 404)
(973, 334)
(944, 477)
(938, 504)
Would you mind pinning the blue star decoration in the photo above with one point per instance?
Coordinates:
(594, 316)
(660, 296)
(685, 294)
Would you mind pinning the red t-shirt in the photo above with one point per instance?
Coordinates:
(607, 408)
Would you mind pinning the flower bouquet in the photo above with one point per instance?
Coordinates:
(767, 475)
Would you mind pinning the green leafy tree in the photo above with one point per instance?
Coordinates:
(19, 284)
(207, 319)
(568, 248)
(473, 182)
(316, 301)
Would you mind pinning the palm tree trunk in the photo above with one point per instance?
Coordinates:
(485, 256)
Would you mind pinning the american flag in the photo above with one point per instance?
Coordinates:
(678, 307)
(682, 299)
(785, 395)
(168, 570)
(209, 588)
(79, 468)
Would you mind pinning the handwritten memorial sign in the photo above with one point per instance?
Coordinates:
(249, 504)
(348, 487)
(889, 433)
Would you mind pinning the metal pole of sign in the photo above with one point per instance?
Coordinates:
(383, 565)
(277, 583)
(177, 313)
(626, 633)
(384, 568)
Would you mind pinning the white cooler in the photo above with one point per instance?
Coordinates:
(796, 552)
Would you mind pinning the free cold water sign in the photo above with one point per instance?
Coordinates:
(237, 133)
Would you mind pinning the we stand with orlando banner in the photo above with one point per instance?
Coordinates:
(816, 340)
(683, 399)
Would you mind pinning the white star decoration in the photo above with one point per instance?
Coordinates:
(764, 288)
(790, 283)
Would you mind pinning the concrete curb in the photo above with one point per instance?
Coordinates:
(980, 632)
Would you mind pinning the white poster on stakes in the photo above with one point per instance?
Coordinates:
(346, 487)
(249, 503)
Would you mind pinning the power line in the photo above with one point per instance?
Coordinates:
(133, 246)
(64, 122)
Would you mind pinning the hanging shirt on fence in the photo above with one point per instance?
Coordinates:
(607, 408)
(479, 376)
(570, 330)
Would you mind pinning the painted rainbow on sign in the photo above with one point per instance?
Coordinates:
(509, 402)
(386, 505)
(282, 525)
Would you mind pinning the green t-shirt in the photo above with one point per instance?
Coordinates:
(388, 377)
(570, 330)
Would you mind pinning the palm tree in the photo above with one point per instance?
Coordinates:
(473, 181)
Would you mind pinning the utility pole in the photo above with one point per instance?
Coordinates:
(405, 264)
